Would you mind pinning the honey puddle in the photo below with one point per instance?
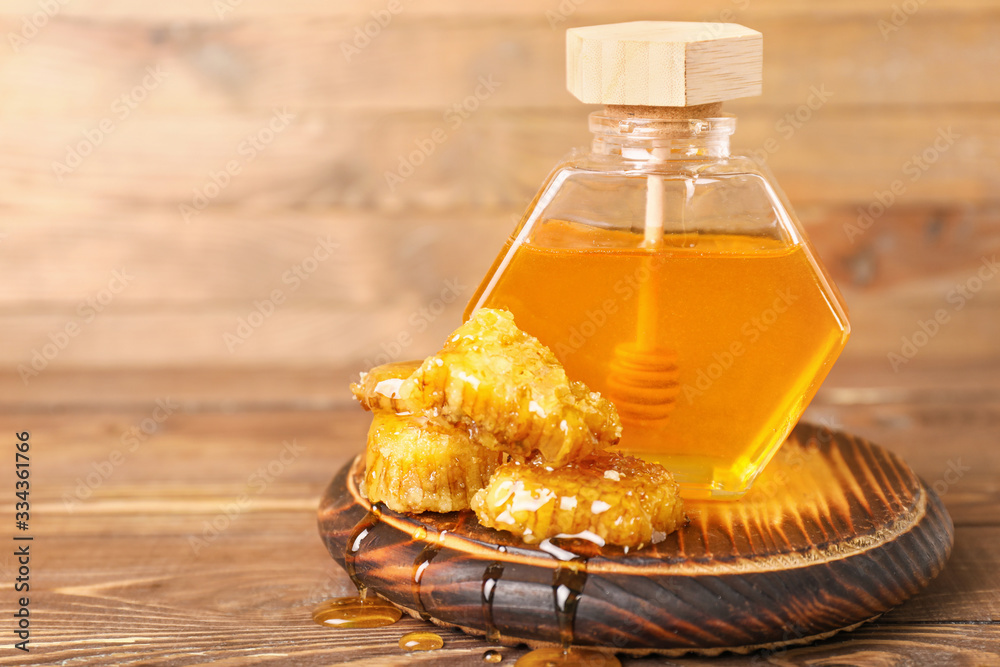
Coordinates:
(493, 656)
(558, 657)
(356, 612)
(421, 641)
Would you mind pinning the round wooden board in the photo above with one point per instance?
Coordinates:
(835, 532)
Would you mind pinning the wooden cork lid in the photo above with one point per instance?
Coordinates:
(663, 63)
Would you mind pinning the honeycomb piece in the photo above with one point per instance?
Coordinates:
(511, 393)
(607, 497)
(377, 389)
(415, 463)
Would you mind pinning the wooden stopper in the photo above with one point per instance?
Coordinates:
(663, 63)
(666, 113)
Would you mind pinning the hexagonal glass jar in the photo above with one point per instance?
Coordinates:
(674, 278)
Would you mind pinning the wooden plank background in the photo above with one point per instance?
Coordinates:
(162, 97)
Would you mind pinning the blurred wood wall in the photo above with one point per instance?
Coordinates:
(209, 150)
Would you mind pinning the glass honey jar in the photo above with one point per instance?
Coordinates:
(667, 273)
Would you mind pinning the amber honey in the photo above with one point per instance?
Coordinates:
(421, 641)
(736, 327)
(356, 612)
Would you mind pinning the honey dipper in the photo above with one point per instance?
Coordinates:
(642, 376)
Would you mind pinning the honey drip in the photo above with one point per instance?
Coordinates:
(356, 612)
(493, 656)
(359, 611)
(420, 641)
(556, 657)
(490, 580)
(358, 534)
(568, 581)
(420, 564)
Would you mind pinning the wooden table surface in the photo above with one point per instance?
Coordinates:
(198, 543)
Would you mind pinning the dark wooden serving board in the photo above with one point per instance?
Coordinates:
(835, 532)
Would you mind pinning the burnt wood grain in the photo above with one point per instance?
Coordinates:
(836, 532)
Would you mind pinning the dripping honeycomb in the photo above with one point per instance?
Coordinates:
(443, 429)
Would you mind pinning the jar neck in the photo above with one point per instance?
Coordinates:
(646, 137)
